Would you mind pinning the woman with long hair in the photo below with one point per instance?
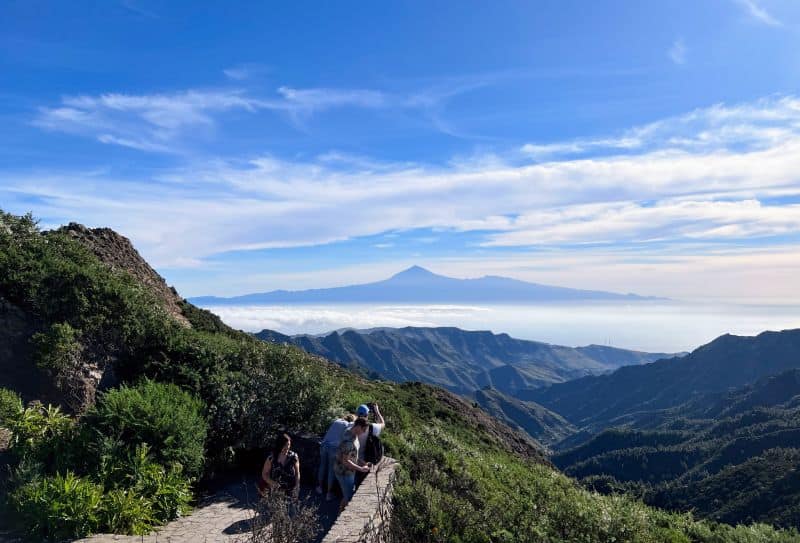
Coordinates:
(281, 469)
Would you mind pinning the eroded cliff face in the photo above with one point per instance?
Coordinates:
(118, 253)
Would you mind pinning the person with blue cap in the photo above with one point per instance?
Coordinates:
(377, 426)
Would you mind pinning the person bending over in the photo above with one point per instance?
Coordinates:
(347, 463)
(327, 454)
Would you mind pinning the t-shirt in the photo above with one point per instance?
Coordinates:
(334, 434)
(362, 439)
(348, 448)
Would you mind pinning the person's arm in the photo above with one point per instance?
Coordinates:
(379, 417)
(265, 471)
(296, 489)
(357, 467)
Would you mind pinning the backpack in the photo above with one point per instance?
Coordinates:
(373, 448)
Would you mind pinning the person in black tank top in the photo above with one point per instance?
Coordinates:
(281, 469)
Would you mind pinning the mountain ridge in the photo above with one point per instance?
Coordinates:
(419, 285)
(462, 361)
(631, 392)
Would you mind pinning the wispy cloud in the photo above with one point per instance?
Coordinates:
(145, 122)
(136, 7)
(156, 122)
(756, 11)
(754, 125)
(720, 174)
(677, 52)
(242, 72)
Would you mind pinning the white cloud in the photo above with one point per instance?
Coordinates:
(145, 122)
(310, 100)
(711, 175)
(756, 125)
(756, 11)
(159, 122)
(242, 72)
(677, 52)
(317, 320)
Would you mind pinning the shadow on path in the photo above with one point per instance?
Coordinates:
(244, 495)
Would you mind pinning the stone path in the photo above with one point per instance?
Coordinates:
(223, 518)
(226, 516)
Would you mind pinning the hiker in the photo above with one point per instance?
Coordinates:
(327, 453)
(347, 463)
(281, 469)
(368, 453)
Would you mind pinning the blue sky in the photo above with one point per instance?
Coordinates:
(624, 145)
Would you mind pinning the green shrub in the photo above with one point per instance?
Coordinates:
(160, 415)
(166, 488)
(43, 435)
(10, 406)
(126, 512)
(59, 507)
(58, 348)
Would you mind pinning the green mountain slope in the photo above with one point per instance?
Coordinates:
(462, 361)
(540, 423)
(733, 459)
(465, 476)
(632, 392)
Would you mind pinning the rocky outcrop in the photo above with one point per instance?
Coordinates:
(118, 252)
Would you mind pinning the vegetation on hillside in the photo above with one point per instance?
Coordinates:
(733, 459)
(124, 466)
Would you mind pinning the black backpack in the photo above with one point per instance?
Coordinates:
(373, 448)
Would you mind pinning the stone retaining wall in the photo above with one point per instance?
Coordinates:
(365, 515)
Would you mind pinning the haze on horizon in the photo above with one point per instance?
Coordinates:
(636, 147)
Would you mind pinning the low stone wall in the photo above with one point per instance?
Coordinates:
(365, 515)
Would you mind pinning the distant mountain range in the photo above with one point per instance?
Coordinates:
(489, 368)
(418, 285)
(633, 393)
(462, 361)
(732, 457)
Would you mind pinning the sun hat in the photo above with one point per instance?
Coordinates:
(362, 410)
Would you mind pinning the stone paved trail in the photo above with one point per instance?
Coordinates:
(223, 518)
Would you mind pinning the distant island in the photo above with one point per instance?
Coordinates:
(418, 285)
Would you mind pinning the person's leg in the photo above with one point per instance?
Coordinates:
(323, 472)
(331, 474)
(348, 485)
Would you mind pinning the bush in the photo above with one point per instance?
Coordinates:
(10, 406)
(140, 496)
(126, 512)
(160, 415)
(42, 435)
(277, 520)
(59, 507)
(58, 348)
(166, 488)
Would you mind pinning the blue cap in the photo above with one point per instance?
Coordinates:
(362, 410)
